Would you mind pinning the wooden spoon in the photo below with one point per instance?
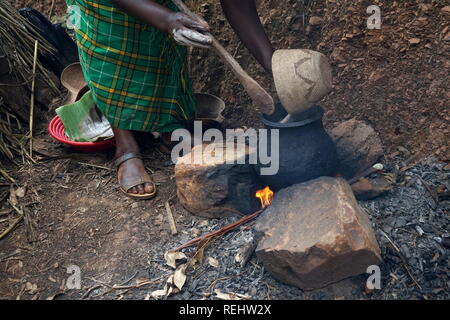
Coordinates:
(259, 96)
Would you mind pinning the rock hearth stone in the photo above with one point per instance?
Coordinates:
(368, 189)
(315, 234)
(358, 146)
(213, 188)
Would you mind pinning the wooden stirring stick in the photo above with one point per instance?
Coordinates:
(259, 96)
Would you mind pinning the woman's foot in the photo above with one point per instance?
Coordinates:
(131, 170)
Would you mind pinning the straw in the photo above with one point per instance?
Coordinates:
(22, 45)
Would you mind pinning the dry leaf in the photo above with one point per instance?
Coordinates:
(230, 296)
(173, 257)
(21, 191)
(213, 262)
(168, 289)
(199, 253)
(31, 288)
(203, 223)
(173, 285)
(414, 41)
(196, 232)
(179, 277)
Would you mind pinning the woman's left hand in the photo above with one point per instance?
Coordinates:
(187, 31)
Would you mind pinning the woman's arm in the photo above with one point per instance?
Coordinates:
(244, 19)
(185, 30)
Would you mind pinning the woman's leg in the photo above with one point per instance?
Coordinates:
(125, 143)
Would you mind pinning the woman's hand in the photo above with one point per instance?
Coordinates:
(187, 31)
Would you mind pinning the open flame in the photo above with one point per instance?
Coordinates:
(265, 196)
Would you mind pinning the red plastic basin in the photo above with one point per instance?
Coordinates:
(56, 130)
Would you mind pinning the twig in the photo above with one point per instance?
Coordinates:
(213, 284)
(363, 174)
(173, 226)
(117, 287)
(136, 286)
(221, 231)
(88, 292)
(129, 279)
(11, 227)
(405, 263)
(94, 166)
(33, 86)
(433, 194)
(100, 282)
(8, 256)
(7, 176)
(51, 10)
(5, 212)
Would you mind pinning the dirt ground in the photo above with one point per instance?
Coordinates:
(75, 214)
(381, 76)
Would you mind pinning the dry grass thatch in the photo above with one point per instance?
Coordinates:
(17, 38)
(17, 44)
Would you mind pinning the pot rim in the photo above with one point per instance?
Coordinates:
(317, 116)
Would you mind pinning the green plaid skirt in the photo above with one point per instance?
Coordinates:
(138, 75)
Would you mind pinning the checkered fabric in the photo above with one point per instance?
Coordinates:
(138, 75)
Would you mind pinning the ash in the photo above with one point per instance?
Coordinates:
(409, 224)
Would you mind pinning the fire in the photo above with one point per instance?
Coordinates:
(266, 196)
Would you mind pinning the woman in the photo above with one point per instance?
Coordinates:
(134, 61)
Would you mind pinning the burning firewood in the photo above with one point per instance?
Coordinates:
(266, 197)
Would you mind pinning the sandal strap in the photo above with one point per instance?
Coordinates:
(126, 157)
(136, 181)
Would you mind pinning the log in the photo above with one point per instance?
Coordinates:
(213, 188)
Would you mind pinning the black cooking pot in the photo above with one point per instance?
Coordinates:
(306, 151)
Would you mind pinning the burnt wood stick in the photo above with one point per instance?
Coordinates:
(221, 231)
(363, 174)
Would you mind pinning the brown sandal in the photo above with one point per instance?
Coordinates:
(127, 184)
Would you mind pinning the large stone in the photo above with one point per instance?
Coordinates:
(210, 187)
(315, 234)
(368, 189)
(358, 146)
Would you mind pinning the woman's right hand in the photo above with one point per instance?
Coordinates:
(187, 31)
